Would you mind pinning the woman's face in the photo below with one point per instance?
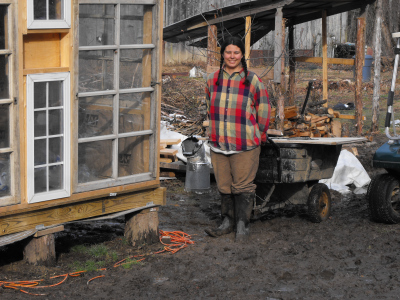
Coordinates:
(232, 58)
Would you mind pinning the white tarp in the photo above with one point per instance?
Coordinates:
(348, 171)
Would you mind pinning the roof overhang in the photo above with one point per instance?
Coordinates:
(230, 20)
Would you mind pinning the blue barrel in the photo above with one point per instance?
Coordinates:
(366, 71)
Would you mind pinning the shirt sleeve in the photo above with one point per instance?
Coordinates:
(263, 109)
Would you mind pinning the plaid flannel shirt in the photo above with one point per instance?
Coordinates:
(239, 115)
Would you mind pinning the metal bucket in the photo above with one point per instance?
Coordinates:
(197, 168)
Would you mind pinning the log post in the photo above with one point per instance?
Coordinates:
(142, 227)
(283, 38)
(377, 68)
(292, 66)
(359, 63)
(248, 40)
(41, 251)
(324, 59)
(278, 46)
(212, 52)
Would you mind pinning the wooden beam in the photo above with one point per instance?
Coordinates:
(240, 14)
(331, 61)
(349, 117)
(212, 52)
(377, 67)
(360, 45)
(80, 211)
(292, 66)
(278, 46)
(283, 43)
(248, 40)
(324, 59)
(49, 231)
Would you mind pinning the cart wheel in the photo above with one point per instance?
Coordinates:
(319, 203)
(383, 199)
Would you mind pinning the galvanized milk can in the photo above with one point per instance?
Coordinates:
(197, 168)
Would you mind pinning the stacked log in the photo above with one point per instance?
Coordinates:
(320, 123)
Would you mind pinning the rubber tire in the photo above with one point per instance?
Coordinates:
(319, 203)
(383, 199)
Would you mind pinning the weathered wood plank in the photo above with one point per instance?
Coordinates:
(79, 211)
(324, 59)
(331, 61)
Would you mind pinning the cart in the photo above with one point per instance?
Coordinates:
(290, 169)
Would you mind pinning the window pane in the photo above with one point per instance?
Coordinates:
(95, 116)
(3, 27)
(56, 177)
(39, 9)
(131, 67)
(131, 24)
(39, 91)
(40, 152)
(40, 180)
(4, 90)
(4, 126)
(134, 112)
(94, 161)
(5, 180)
(56, 11)
(133, 155)
(96, 24)
(55, 93)
(96, 70)
(56, 150)
(56, 121)
(40, 123)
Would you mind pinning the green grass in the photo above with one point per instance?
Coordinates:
(93, 257)
(129, 263)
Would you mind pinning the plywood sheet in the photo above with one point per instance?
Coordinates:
(42, 51)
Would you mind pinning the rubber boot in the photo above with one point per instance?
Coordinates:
(243, 208)
(227, 212)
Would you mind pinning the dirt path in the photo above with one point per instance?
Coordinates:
(287, 257)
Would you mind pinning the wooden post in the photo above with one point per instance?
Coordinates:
(283, 81)
(278, 46)
(324, 60)
(377, 68)
(359, 63)
(163, 53)
(212, 53)
(292, 66)
(248, 40)
(142, 228)
(41, 251)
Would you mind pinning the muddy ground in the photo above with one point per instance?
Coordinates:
(287, 256)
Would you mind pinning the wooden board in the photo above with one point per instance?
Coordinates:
(42, 51)
(168, 151)
(79, 211)
(320, 141)
(170, 141)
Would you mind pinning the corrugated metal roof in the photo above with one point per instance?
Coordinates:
(230, 19)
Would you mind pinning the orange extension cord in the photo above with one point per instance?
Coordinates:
(179, 240)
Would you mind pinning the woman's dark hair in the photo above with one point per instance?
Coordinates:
(232, 40)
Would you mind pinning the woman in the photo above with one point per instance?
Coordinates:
(239, 112)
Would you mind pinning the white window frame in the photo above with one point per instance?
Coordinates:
(115, 180)
(66, 191)
(48, 24)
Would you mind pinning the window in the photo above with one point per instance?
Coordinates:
(48, 126)
(7, 155)
(116, 99)
(49, 14)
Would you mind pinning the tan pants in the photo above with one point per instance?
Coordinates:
(235, 173)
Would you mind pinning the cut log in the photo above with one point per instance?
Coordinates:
(41, 251)
(142, 228)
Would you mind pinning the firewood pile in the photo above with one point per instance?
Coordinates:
(317, 121)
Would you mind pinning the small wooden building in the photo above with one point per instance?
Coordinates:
(80, 98)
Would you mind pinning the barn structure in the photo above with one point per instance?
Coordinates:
(252, 20)
(80, 101)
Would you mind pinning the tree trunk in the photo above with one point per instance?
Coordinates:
(377, 68)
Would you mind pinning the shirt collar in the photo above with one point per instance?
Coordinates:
(240, 73)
